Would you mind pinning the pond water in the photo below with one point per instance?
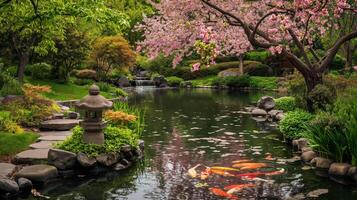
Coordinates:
(200, 126)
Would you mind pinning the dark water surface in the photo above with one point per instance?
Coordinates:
(189, 127)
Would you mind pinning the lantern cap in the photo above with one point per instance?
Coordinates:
(94, 101)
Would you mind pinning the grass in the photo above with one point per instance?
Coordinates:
(65, 91)
(13, 143)
(269, 83)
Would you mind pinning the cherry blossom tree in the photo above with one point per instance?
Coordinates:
(286, 28)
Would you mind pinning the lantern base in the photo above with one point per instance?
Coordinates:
(93, 138)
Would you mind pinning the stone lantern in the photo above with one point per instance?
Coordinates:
(93, 124)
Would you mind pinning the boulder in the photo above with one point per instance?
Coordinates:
(317, 193)
(352, 172)
(305, 149)
(339, 169)
(58, 116)
(229, 72)
(123, 82)
(6, 169)
(59, 124)
(160, 81)
(108, 159)
(279, 116)
(62, 159)
(31, 156)
(266, 103)
(249, 108)
(259, 112)
(38, 173)
(64, 108)
(321, 163)
(126, 150)
(73, 115)
(301, 143)
(25, 185)
(308, 156)
(273, 113)
(8, 186)
(85, 161)
(119, 167)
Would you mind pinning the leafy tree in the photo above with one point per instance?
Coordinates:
(286, 28)
(111, 52)
(32, 25)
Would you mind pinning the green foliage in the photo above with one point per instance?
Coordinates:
(109, 53)
(118, 92)
(13, 143)
(338, 63)
(85, 74)
(254, 68)
(295, 123)
(105, 87)
(82, 82)
(268, 83)
(297, 88)
(322, 96)
(217, 81)
(115, 138)
(286, 103)
(10, 86)
(237, 81)
(41, 71)
(174, 81)
(7, 124)
(259, 56)
(138, 125)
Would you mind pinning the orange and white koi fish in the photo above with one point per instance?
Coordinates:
(256, 174)
(245, 166)
(205, 174)
(225, 168)
(236, 188)
(222, 193)
(192, 172)
(221, 172)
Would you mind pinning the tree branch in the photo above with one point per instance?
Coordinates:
(301, 48)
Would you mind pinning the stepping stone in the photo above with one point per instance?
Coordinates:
(59, 124)
(53, 138)
(32, 156)
(55, 133)
(38, 173)
(6, 169)
(42, 145)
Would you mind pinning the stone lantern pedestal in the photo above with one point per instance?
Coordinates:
(93, 124)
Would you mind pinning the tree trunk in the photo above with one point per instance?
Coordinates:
(241, 65)
(312, 79)
(349, 52)
(24, 59)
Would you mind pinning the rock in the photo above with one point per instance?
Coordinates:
(58, 116)
(352, 171)
(308, 156)
(59, 124)
(229, 72)
(53, 138)
(301, 143)
(339, 169)
(25, 185)
(279, 116)
(38, 173)
(108, 159)
(186, 84)
(62, 159)
(266, 103)
(7, 185)
(127, 152)
(141, 144)
(317, 193)
(297, 197)
(123, 82)
(85, 161)
(249, 108)
(42, 145)
(259, 112)
(273, 113)
(64, 108)
(138, 153)
(321, 163)
(305, 149)
(125, 162)
(73, 115)
(6, 169)
(119, 167)
(32, 156)
(160, 81)
(66, 173)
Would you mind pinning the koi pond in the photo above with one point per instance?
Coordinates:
(199, 145)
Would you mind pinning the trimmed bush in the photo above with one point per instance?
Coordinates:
(86, 74)
(259, 56)
(269, 83)
(285, 104)
(7, 124)
(237, 81)
(41, 71)
(295, 123)
(254, 68)
(10, 86)
(174, 81)
(217, 81)
(83, 82)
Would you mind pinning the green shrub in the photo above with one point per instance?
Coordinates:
(115, 138)
(82, 82)
(254, 68)
(295, 123)
(7, 124)
(85, 74)
(174, 81)
(237, 81)
(297, 88)
(285, 103)
(269, 83)
(322, 96)
(259, 56)
(118, 92)
(12, 71)
(138, 125)
(104, 87)
(217, 81)
(41, 71)
(10, 86)
(338, 63)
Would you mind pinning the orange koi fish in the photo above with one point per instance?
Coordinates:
(221, 172)
(255, 174)
(269, 157)
(225, 169)
(244, 166)
(236, 188)
(241, 161)
(221, 193)
(205, 174)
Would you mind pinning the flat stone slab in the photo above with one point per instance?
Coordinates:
(42, 145)
(53, 138)
(6, 169)
(59, 124)
(38, 173)
(31, 156)
(55, 133)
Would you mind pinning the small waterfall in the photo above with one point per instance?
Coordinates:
(143, 81)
